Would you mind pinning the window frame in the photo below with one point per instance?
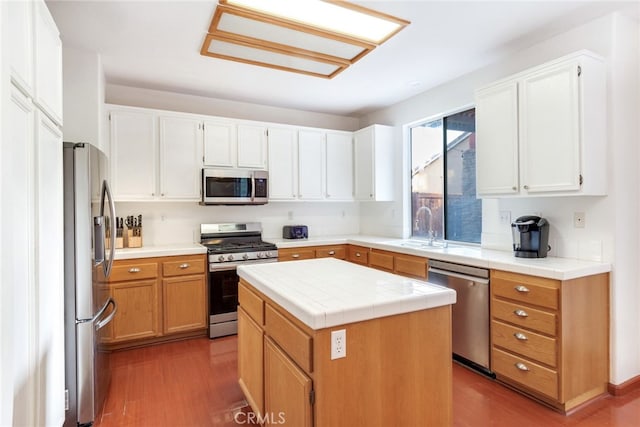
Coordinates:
(407, 162)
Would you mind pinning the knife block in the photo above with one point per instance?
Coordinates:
(133, 237)
(119, 241)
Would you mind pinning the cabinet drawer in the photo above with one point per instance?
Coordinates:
(296, 254)
(133, 271)
(536, 377)
(527, 317)
(413, 266)
(534, 346)
(528, 289)
(358, 254)
(339, 252)
(183, 266)
(251, 303)
(381, 260)
(295, 342)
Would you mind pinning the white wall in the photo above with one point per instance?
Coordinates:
(136, 97)
(179, 222)
(610, 220)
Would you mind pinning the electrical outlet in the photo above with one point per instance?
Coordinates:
(505, 217)
(338, 344)
(578, 219)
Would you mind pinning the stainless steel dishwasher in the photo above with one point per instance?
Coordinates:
(470, 313)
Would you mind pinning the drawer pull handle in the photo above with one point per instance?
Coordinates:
(332, 252)
(134, 270)
(522, 289)
(358, 254)
(522, 366)
(520, 336)
(520, 313)
(295, 256)
(185, 265)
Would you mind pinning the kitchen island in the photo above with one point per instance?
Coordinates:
(391, 336)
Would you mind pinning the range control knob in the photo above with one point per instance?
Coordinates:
(230, 258)
(220, 258)
(260, 255)
(245, 257)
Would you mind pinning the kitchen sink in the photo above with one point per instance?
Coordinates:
(422, 244)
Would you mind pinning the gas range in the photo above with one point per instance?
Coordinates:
(232, 244)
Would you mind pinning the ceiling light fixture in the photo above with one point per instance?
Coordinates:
(313, 37)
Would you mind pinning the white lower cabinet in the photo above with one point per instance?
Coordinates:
(546, 128)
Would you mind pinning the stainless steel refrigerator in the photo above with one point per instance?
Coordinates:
(89, 212)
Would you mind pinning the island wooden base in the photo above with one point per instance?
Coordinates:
(397, 369)
(397, 372)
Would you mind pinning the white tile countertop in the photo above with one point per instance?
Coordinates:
(326, 292)
(550, 267)
(159, 251)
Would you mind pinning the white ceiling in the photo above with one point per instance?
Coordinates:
(156, 45)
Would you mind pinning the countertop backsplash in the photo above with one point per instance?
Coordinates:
(168, 223)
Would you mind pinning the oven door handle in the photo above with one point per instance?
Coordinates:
(223, 268)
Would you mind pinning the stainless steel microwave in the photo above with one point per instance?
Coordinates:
(234, 187)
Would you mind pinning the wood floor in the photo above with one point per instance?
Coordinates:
(193, 383)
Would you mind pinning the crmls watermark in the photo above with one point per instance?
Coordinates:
(266, 419)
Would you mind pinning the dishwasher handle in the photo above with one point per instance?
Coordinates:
(478, 280)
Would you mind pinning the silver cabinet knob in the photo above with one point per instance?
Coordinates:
(134, 270)
(521, 366)
(526, 187)
(520, 313)
(520, 336)
(358, 254)
(183, 266)
(522, 289)
(514, 188)
(295, 256)
(332, 253)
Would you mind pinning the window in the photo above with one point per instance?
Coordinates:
(444, 206)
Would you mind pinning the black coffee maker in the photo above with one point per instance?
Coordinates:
(530, 237)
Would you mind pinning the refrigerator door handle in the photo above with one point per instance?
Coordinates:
(99, 313)
(106, 196)
(101, 323)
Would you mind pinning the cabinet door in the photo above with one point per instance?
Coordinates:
(287, 388)
(133, 155)
(185, 305)
(283, 165)
(497, 139)
(550, 129)
(252, 147)
(48, 63)
(20, 51)
(180, 158)
(219, 143)
(250, 359)
(138, 310)
(339, 170)
(363, 164)
(310, 165)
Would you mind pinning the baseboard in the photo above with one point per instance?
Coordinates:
(626, 387)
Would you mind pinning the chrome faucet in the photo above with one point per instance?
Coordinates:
(430, 233)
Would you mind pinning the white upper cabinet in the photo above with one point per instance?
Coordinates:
(20, 51)
(339, 166)
(219, 143)
(48, 63)
(283, 163)
(155, 155)
(229, 144)
(311, 165)
(35, 55)
(546, 129)
(252, 146)
(133, 155)
(180, 158)
(373, 163)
